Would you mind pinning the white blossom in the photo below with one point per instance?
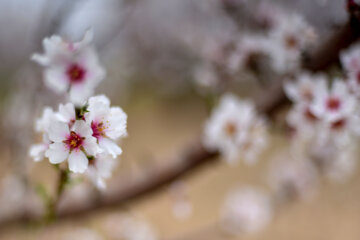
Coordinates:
(75, 144)
(246, 210)
(334, 104)
(235, 130)
(71, 67)
(108, 124)
(288, 39)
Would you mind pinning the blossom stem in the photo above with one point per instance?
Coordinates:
(63, 180)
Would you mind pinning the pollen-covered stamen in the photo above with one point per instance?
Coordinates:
(74, 141)
(230, 129)
(333, 103)
(98, 129)
(76, 73)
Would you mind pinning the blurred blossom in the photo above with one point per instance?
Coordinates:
(81, 234)
(337, 163)
(293, 177)
(268, 14)
(246, 210)
(350, 60)
(235, 129)
(71, 67)
(182, 207)
(128, 227)
(289, 37)
(100, 169)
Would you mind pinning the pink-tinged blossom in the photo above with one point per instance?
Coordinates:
(100, 169)
(75, 144)
(235, 130)
(335, 104)
(108, 124)
(71, 67)
(246, 210)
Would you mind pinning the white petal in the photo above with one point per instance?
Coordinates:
(57, 153)
(79, 93)
(91, 147)
(67, 112)
(58, 131)
(82, 128)
(37, 152)
(40, 59)
(110, 147)
(78, 162)
(117, 123)
(55, 79)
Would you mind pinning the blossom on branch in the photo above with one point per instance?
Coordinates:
(71, 67)
(246, 210)
(235, 130)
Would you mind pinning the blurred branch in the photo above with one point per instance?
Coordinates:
(195, 156)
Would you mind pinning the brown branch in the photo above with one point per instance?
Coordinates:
(196, 156)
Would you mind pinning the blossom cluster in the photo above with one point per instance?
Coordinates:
(325, 117)
(235, 129)
(286, 37)
(83, 132)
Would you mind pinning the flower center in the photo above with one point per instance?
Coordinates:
(307, 94)
(291, 42)
(98, 129)
(74, 141)
(76, 73)
(230, 129)
(333, 103)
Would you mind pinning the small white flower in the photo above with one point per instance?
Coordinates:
(100, 168)
(246, 210)
(107, 123)
(305, 87)
(287, 41)
(72, 67)
(234, 129)
(74, 144)
(334, 104)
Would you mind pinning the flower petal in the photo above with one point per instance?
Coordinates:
(82, 128)
(78, 162)
(110, 147)
(91, 147)
(58, 131)
(37, 152)
(57, 153)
